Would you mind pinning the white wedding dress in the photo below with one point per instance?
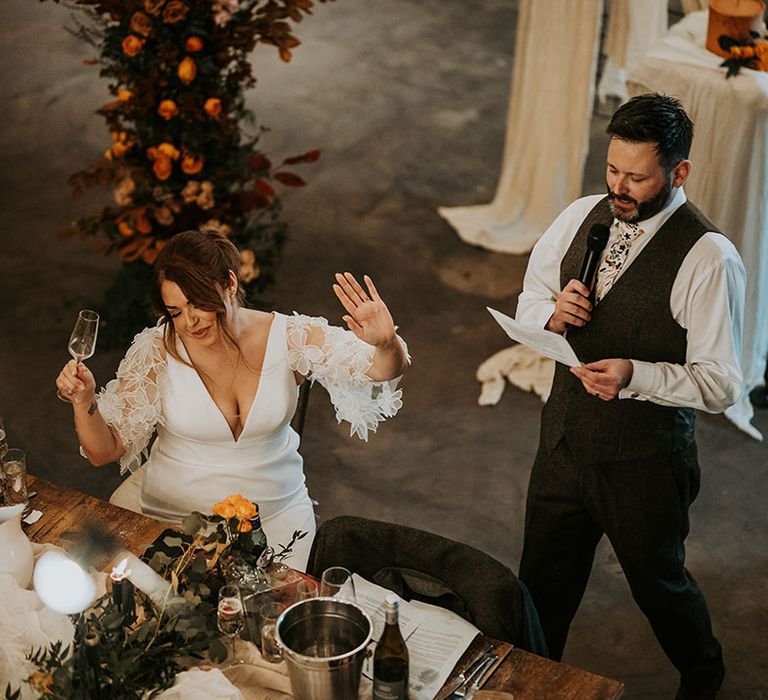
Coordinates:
(196, 461)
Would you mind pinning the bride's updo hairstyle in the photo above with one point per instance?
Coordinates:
(200, 262)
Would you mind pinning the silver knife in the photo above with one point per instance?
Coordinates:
(480, 677)
(462, 676)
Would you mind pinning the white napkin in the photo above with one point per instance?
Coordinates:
(199, 684)
(523, 367)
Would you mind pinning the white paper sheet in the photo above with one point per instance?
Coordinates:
(436, 638)
(547, 343)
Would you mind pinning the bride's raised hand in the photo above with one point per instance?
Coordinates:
(367, 315)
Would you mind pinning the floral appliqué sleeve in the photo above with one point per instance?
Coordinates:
(130, 404)
(338, 360)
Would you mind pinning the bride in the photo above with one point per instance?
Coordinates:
(218, 383)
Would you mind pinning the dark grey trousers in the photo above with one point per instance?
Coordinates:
(642, 506)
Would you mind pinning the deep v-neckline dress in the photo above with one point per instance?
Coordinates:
(196, 460)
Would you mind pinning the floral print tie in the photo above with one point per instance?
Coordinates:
(616, 257)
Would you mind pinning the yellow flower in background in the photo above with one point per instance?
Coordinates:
(122, 194)
(190, 191)
(167, 109)
(194, 44)
(249, 271)
(143, 224)
(212, 107)
(141, 23)
(191, 165)
(125, 228)
(124, 95)
(132, 45)
(187, 70)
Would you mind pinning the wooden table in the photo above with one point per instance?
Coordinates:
(527, 676)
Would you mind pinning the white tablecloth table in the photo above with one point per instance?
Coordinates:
(729, 181)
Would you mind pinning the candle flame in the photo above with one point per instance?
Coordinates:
(120, 571)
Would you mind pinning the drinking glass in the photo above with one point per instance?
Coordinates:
(82, 342)
(268, 614)
(14, 468)
(230, 616)
(306, 588)
(337, 582)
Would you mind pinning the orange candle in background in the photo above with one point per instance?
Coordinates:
(733, 18)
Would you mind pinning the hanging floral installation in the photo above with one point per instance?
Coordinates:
(184, 147)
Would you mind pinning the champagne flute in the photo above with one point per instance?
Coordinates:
(306, 588)
(337, 582)
(82, 342)
(230, 616)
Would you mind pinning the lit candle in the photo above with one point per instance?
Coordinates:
(122, 591)
(145, 578)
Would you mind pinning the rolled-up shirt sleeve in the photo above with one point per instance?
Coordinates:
(707, 300)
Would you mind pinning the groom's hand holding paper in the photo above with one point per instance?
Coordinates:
(545, 342)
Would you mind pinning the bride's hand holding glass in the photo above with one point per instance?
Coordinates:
(75, 380)
(76, 383)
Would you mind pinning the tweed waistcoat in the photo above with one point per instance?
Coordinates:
(633, 321)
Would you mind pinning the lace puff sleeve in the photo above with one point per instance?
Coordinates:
(338, 360)
(130, 404)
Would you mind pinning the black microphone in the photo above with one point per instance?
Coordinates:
(596, 240)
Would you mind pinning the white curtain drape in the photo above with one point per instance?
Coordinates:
(633, 27)
(548, 121)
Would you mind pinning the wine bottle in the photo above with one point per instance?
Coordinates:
(390, 660)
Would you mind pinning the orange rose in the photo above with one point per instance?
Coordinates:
(175, 11)
(212, 106)
(187, 70)
(124, 95)
(224, 510)
(119, 149)
(167, 109)
(132, 45)
(747, 51)
(194, 44)
(141, 24)
(191, 165)
(162, 168)
(143, 224)
(125, 228)
(42, 682)
(154, 6)
(244, 526)
(245, 510)
(168, 149)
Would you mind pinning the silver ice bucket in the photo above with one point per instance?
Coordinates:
(324, 641)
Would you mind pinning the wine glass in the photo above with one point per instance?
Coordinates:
(336, 581)
(82, 342)
(230, 616)
(306, 588)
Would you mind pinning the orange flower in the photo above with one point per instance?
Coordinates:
(167, 109)
(224, 510)
(124, 95)
(42, 682)
(162, 168)
(175, 11)
(187, 70)
(143, 224)
(132, 45)
(169, 150)
(125, 228)
(245, 510)
(191, 165)
(154, 6)
(164, 216)
(748, 51)
(141, 23)
(194, 44)
(212, 106)
(244, 526)
(119, 149)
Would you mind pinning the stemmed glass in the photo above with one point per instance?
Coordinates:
(82, 342)
(230, 615)
(337, 581)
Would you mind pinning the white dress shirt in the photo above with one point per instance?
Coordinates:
(707, 299)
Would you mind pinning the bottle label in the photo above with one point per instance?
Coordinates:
(396, 690)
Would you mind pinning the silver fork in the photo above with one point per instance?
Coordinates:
(462, 676)
(472, 682)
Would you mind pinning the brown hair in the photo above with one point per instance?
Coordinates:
(200, 262)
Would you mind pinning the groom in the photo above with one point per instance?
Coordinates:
(660, 336)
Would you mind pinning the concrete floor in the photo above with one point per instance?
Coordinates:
(407, 100)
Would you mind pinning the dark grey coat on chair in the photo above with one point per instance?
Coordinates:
(421, 565)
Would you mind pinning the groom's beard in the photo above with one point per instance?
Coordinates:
(641, 210)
